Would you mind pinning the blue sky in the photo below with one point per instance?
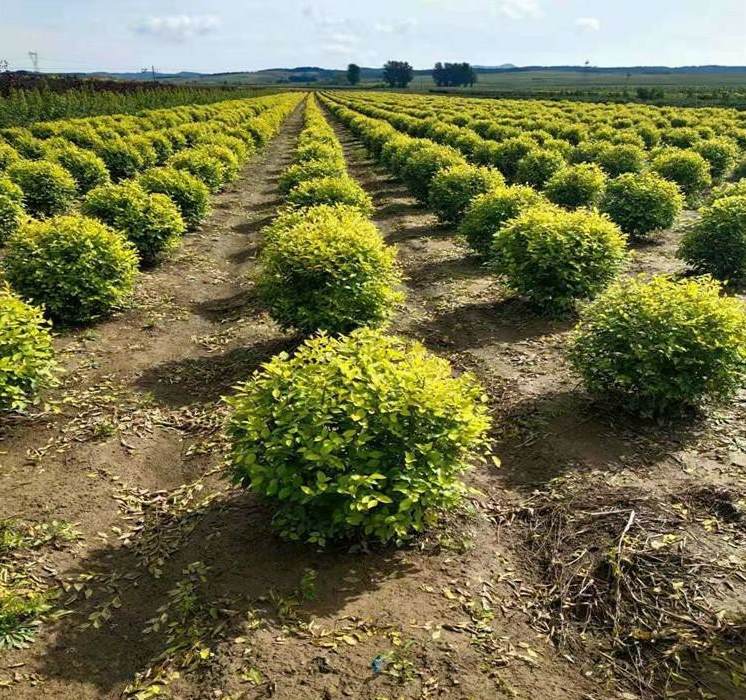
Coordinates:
(85, 35)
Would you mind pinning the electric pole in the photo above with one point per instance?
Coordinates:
(34, 56)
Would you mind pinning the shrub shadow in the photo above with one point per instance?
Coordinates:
(543, 437)
(203, 380)
(247, 562)
(479, 324)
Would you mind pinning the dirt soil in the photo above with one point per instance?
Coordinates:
(130, 451)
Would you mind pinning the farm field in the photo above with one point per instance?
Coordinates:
(598, 549)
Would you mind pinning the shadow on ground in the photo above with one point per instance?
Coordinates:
(246, 564)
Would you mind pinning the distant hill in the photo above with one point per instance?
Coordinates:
(317, 74)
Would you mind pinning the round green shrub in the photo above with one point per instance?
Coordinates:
(145, 148)
(506, 156)
(329, 271)
(490, 211)
(422, 165)
(230, 162)
(621, 159)
(555, 257)
(309, 170)
(315, 150)
(576, 186)
(454, 187)
(8, 156)
(11, 217)
(48, 189)
(720, 153)
(363, 436)
(26, 355)
(160, 144)
(87, 169)
(75, 267)
(151, 222)
(658, 346)
(716, 244)
(202, 165)
(689, 170)
(123, 159)
(9, 189)
(640, 203)
(729, 189)
(331, 190)
(187, 192)
(538, 166)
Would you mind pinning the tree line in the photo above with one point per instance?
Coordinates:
(398, 74)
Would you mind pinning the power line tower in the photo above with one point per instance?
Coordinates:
(34, 56)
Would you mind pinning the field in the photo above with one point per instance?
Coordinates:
(597, 552)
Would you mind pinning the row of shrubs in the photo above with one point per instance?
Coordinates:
(640, 203)
(657, 346)
(361, 434)
(532, 158)
(77, 266)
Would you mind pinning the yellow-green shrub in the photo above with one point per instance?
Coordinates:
(660, 346)
(716, 244)
(490, 211)
(576, 186)
(538, 166)
(73, 266)
(341, 189)
(555, 257)
(151, 222)
(187, 192)
(640, 203)
(689, 170)
(328, 270)
(363, 436)
(26, 355)
(454, 187)
(48, 189)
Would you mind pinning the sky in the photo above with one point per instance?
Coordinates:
(234, 35)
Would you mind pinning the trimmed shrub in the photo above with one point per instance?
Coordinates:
(729, 189)
(11, 216)
(454, 187)
(538, 166)
(9, 189)
(123, 159)
(230, 162)
(363, 436)
(720, 153)
(423, 164)
(716, 244)
(621, 159)
(507, 155)
(642, 203)
(660, 346)
(331, 190)
(555, 257)
(26, 355)
(87, 169)
(48, 189)
(489, 212)
(200, 163)
(75, 267)
(329, 271)
(8, 156)
(151, 222)
(689, 170)
(576, 186)
(315, 150)
(309, 170)
(187, 192)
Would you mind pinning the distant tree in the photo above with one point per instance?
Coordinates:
(353, 74)
(454, 74)
(397, 74)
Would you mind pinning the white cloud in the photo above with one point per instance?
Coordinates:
(521, 9)
(179, 27)
(589, 24)
(402, 27)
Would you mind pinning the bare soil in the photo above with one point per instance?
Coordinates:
(130, 451)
